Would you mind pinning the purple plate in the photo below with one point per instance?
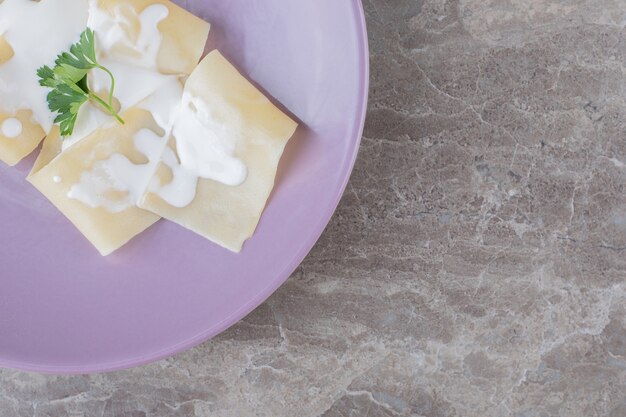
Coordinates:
(65, 309)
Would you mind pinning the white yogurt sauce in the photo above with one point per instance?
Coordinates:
(136, 67)
(205, 146)
(117, 173)
(181, 191)
(137, 77)
(205, 150)
(132, 85)
(106, 176)
(11, 128)
(36, 37)
(136, 74)
(112, 31)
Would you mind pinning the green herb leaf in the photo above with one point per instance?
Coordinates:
(66, 100)
(68, 81)
(82, 55)
(47, 77)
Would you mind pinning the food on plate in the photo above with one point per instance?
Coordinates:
(136, 126)
(218, 169)
(19, 135)
(95, 182)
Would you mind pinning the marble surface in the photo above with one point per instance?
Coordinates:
(477, 263)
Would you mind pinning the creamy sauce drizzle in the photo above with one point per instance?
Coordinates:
(181, 191)
(26, 26)
(205, 146)
(117, 173)
(116, 35)
(205, 150)
(11, 128)
(132, 61)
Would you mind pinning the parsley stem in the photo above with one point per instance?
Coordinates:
(106, 106)
(112, 89)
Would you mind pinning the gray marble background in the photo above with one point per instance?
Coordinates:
(477, 263)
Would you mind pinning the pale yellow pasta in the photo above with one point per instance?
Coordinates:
(184, 35)
(50, 149)
(14, 149)
(6, 52)
(228, 215)
(106, 230)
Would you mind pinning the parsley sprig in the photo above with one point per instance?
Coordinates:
(68, 81)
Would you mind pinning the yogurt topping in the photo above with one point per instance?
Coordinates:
(28, 29)
(205, 146)
(117, 175)
(11, 128)
(134, 63)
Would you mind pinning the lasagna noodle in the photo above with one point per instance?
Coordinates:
(12, 150)
(6, 52)
(105, 229)
(228, 215)
(50, 149)
(184, 34)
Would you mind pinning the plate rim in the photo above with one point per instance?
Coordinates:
(273, 286)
